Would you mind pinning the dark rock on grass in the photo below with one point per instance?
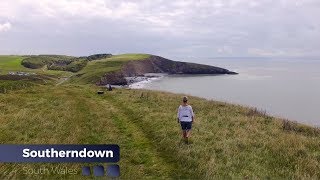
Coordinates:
(157, 64)
(114, 78)
(100, 92)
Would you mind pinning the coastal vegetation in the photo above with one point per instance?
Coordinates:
(95, 70)
(228, 142)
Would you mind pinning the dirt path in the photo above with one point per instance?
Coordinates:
(160, 163)
(62, 80)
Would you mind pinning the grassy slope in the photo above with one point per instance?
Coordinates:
(228, 140)
(90, 74)
(13, 63)
(96, 69)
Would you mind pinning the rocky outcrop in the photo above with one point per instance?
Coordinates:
(157, 64)
(114, 78)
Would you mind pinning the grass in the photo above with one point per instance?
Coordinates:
(36, 62)
(91, 71)
(13, 63)
(14, 82)
(129, 57)
(228, 141)
(94, 70)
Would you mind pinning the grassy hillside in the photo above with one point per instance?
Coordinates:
(96, 69)
(61, 68)
(14, 64)
(228, 141)
(14, 82)
(36, 62)
(11, 63)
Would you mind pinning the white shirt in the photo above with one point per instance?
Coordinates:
(185, 113)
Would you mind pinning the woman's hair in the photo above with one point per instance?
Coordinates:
(185, 99)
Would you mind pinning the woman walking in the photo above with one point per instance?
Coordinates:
(185, 118)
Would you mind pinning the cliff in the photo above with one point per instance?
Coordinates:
(157, 64)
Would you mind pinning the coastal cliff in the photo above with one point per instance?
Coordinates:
(157, 64)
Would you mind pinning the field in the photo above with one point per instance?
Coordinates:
(228, 141)
(13, 64)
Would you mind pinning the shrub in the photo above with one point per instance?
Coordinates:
(55, 62)
(98, 56)
(299, 128)
(76, 66)
(36, 62)
(257, 112)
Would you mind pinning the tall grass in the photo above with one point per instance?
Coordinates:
(228, 141)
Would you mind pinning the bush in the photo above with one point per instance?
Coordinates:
(76, 66)
(36, 62)
(299, 128)
(98, 56)
(61, 63)
(55, 62)
(257, 112)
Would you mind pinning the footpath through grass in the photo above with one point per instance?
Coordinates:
(228, 141)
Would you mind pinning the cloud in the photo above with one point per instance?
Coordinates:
(225, 49)
(207, 27)
(5, 27)
(278, 52)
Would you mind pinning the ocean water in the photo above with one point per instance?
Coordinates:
(286, 88)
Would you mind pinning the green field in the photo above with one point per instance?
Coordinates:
(228, 141)
(13, 64)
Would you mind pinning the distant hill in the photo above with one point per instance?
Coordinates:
(157, 64)
(102, 69)
(60, 62)
(114, 69)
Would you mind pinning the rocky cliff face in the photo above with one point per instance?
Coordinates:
(157, 64)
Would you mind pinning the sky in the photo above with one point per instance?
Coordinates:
(180, 28)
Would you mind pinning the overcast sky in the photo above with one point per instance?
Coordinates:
(169, 28)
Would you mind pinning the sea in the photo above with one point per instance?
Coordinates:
(288, 88)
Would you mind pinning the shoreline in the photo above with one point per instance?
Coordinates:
(138, 82)
(140, 85)
(294, 124)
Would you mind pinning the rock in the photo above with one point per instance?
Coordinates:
(100, 92)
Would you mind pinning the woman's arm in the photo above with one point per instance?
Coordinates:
(178, 114)
(192, 114)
